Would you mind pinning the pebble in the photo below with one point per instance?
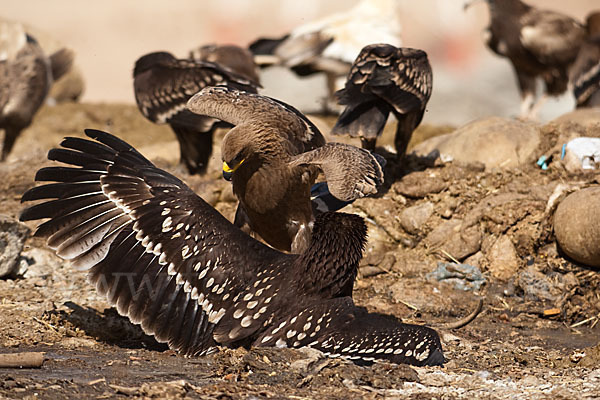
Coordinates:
(503, 262)
(413, 218)
(12, 239)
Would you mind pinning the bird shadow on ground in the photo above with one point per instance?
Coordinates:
(396, 169)
(108, 327)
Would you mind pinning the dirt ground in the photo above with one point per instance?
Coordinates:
(537, 336)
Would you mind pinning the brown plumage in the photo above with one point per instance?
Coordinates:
(384, 78)
(236, 58)
(539, 44)
(585, 74)
(170, 262)
(329, 45)
(164, 84)
(26, 74)
(274, 154)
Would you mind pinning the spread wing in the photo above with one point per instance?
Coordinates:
(339, 328)
(159, 253)
(163, 90)
(243, 108)
(552, 38)
(351, 172)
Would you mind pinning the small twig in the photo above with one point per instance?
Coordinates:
(595, 322)
(22, 360)
(415, 308)
(463, 321)
(55, 329)
(99, 380)
(126, 390)
(450, 256)
(585, 321)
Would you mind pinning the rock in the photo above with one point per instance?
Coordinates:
(303, 365)
(503, 261)
(582, 116)
(577, 226)
(384, 211)
(476, 260)
(412, 218)
(454, 238)
(419, 184)
(538, 286)
(494, 141)
(38, 265)
(12, 238)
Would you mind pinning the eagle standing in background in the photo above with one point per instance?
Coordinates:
(382, 79)
(164, 84)
(539, 44)
(26, 75)
(331, 44)
(239, 59)
(585, 74)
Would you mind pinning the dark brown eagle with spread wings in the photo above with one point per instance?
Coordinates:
(164, 84)
(273, 156)
(539, 44)
(171, 263)
(385, 79)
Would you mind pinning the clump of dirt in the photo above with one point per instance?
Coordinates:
(537, 336)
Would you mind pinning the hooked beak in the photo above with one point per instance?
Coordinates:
(228, 171)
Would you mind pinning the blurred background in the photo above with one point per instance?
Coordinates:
(108, 36)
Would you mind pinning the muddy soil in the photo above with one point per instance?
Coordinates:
(537, 336)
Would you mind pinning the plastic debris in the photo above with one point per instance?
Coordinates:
(582, 153)
(461, 276)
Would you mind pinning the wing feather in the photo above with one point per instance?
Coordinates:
(154, 248)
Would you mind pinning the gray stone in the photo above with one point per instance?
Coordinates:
(539, 286)
(413, 218)
(577, 226)
(503, 262)
(494, 141)
(12, 238)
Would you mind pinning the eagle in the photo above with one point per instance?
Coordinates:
(329, 45)
(273, 156)
(171, 263)
(385, 79)
(26, 75)
(163, 84)
(538, 43)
